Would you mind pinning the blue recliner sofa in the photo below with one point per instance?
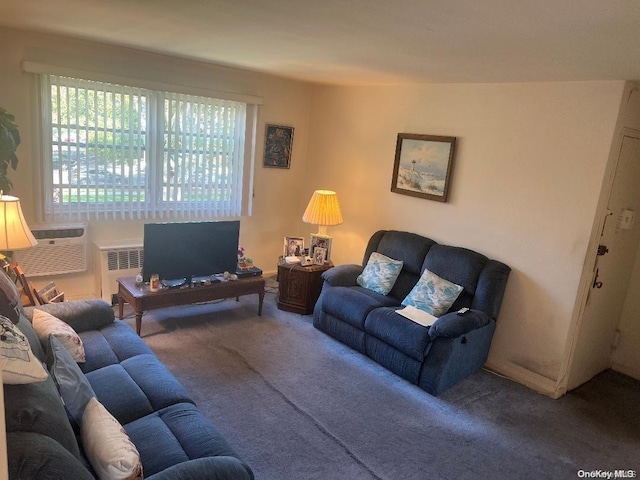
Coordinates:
(435, 357)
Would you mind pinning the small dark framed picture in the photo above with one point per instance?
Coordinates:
(278, 143)
(320, 241)
(423, 166)
(293, 246)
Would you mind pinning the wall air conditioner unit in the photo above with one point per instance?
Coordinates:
(61, 249)
(115, 260)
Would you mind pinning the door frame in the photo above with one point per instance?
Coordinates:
(589, 268)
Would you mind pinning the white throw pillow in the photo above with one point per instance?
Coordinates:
(46, 324)
(19, 364)
(111, 453)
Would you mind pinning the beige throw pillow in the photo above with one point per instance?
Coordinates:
(111, 453)
(19, 364)
(46, 324)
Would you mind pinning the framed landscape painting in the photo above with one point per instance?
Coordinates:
(423, 166)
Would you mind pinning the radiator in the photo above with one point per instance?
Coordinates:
(116, 260)
(61, 249)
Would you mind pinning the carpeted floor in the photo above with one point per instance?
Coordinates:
(296, 404)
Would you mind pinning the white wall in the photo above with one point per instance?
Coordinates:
(626, 357)
(529, 166)
(528, 170)
(277, 206)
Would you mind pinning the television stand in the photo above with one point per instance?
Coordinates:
(141, 298)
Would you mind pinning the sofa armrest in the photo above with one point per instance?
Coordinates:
(206, 468)
(343, 275)
(81, 315)
(452, 325)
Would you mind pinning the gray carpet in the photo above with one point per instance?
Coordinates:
(296, 404)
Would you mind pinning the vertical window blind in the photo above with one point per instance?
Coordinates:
(120, 152)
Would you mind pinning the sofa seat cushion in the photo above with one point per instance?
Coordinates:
(136, 387)
(37, 408)
(399, 332)
(174, 435)
(111, 344)
(352, 304)
(32, 455)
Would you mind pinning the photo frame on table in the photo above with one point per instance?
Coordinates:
(293, 246)
(320, 241)
(278, 143)
(319, 256)
(423, 166)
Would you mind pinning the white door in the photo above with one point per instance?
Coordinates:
(612, 272)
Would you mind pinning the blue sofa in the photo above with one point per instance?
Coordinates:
(435, 357)
(174, 439)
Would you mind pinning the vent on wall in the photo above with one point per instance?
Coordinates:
(61, 249)
(113, 261)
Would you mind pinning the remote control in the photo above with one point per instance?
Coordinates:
(463, 310)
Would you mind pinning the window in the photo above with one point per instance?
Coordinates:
(116, 151)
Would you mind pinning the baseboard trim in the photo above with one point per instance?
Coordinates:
(630, 371)
(535, 381)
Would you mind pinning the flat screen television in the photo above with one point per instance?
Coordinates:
(190, 249)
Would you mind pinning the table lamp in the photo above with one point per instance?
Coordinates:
(323, 210)
(14, 231)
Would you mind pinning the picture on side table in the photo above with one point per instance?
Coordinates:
(293, 246)
(319, 256)
(423, 166)
(278, 143)
(320, 241)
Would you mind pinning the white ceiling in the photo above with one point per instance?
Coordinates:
(365, 41)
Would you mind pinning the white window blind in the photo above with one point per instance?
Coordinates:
(119, 152)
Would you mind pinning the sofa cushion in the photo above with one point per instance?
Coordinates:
(18, 363)
(109, 449)
(81, 315)
(180, 432)
(10, 301)
(32, 455)
(380, 273)
(433, 294)
(111, 344)
(458, 265)
(409, 247)
(350, 304)
(73, 386)
(27, 329)
(37, 408)
(401, 333)
(136, 387)
(46, 324)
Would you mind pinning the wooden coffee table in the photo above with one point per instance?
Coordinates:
(141, 298)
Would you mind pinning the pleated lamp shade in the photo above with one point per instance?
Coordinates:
(14, 231)
(323, 210)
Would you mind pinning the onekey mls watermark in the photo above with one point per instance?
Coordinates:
(609, 474)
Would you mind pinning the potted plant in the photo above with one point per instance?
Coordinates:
(9, 141)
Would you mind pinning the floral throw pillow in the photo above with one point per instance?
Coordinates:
(380, 273)
(433, 294)
(46, 324)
